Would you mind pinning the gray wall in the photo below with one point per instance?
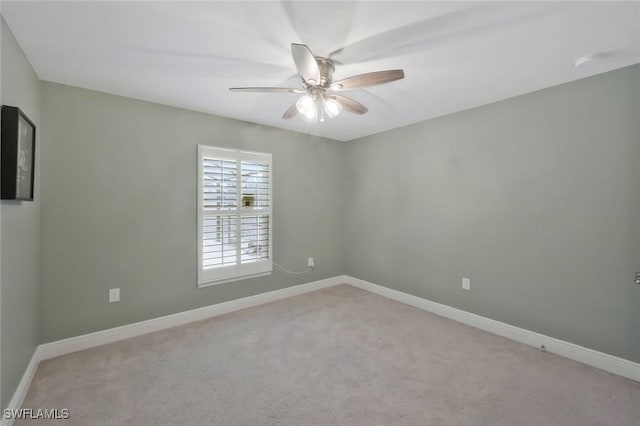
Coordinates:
(20, 231)
(536, 199)
(119, 208)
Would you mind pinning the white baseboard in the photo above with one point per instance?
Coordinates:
(587, 356)
(99, 338)
(86, 341)
(22, 389)
(603, 361)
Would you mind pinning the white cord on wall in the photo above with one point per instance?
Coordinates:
(292, 272)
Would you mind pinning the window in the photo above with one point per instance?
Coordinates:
(234, 215)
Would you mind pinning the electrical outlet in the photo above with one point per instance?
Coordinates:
(466, 284)
(114, 295)
(311, 263)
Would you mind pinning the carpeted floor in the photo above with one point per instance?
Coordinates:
(340, 356)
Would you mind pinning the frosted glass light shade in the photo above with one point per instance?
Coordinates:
(317, 107)
(306, 106)
(331, 107)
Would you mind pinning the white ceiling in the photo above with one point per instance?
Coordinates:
(456, 55)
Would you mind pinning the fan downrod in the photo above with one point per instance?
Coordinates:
(326, 68)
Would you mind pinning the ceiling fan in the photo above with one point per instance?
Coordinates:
(320, 93)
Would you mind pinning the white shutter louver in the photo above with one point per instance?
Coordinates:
(255, 238)
(220, 177)
(219, 241)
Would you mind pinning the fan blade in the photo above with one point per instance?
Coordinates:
(441, 30)
(267, 89)
(292, 111)
(196, 64)
(350, 104)
(305, 63)
(368, 80)
(309, 21)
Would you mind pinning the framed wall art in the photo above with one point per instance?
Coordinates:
(18, 145)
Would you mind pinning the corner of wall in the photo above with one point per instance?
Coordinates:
(19, 231)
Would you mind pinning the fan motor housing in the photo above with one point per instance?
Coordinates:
(326, 71)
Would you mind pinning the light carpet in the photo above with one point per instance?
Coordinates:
(339, 356)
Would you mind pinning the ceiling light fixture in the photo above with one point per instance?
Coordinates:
(321, 98)
(582, 60)
(595, 57)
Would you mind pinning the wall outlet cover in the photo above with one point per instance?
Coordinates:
(466, 284)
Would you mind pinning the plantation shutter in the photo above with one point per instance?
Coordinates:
(234, 223)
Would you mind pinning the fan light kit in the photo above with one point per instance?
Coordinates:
(316, 107)
(320, 100)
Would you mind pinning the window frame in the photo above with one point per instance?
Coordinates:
(224, 274)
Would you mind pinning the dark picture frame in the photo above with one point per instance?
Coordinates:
(18, 149)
